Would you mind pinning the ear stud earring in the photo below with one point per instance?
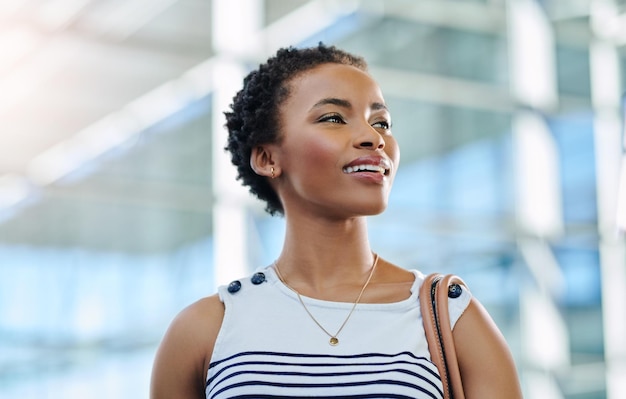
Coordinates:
(272, 172)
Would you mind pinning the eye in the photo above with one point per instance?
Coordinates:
(385, 125)
(332, 118)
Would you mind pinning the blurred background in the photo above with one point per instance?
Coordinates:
(118, 206)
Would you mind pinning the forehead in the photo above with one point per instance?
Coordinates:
(337, 81)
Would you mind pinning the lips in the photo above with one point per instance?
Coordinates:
(369, 164)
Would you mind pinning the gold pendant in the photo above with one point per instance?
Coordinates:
(334, 341)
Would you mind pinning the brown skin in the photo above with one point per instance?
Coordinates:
(486, 364)
(326, 253)
(182, 361)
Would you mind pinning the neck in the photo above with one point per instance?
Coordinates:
(319, 255)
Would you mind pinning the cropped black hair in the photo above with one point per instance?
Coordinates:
(254, 118)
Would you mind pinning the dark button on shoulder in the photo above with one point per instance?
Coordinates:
(234, 286)
(454, 291)
(257, 278)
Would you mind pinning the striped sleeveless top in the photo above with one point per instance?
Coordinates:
(268, 347)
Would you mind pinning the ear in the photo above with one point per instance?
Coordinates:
(263, 162)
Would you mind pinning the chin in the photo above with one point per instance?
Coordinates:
(377, 212)
(371, 209)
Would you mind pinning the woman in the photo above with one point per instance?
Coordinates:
(311, 136)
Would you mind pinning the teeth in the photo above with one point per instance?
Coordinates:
(358, 168)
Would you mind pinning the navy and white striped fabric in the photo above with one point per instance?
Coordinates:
(291, 375)
(268, 347)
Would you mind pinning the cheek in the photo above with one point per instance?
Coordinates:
(317, 153)
(392, 150)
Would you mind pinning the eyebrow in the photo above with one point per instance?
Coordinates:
(345, 104)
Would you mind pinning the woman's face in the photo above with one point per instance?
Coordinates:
(337, 155)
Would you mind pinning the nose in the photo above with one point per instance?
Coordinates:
(369, 138)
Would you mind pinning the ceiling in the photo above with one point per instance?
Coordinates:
(105, 113)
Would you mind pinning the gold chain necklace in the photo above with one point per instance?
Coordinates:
(333, 337)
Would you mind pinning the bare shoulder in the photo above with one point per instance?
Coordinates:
(197, 324)
(486, 364)
(206, 311)
(391, 283)
(393, 273)
(184, 353)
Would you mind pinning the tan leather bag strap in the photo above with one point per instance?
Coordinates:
(433, 299)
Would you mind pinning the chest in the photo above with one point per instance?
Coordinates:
(270, 344)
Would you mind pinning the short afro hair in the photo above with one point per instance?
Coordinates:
(255, 111)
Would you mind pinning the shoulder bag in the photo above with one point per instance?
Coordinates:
(433, 297)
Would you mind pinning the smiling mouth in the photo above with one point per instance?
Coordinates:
(366, 168)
